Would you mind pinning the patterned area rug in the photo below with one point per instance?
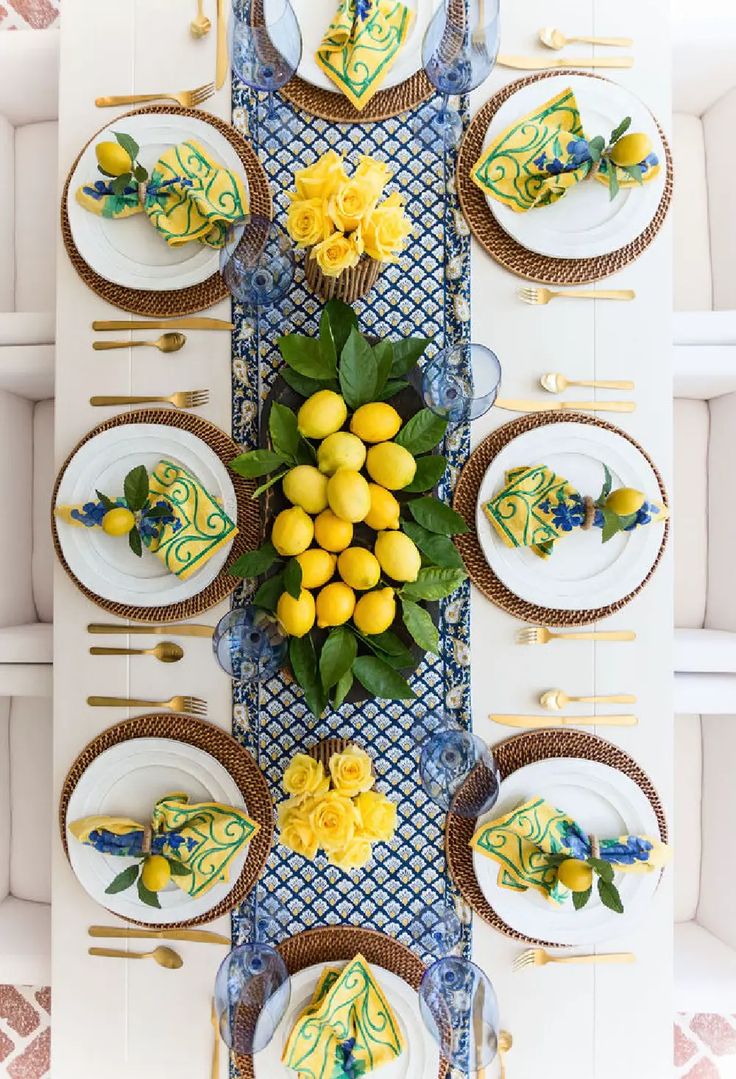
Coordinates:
(25, 1031)
(705, 1046)
(28, 14)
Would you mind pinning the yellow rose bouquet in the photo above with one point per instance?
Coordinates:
(347, 227)
(339, 813)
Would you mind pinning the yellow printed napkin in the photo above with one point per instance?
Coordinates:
(361, 44)
(187, 197)
(205, 837)
(522, 841)
(539, 158)
(347, 1030)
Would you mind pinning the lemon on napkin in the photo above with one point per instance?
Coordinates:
(537, 159)
(203, 837)
(360, 45)
(347, 1030)
(187, 197)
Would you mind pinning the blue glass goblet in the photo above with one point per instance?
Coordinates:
(266, 47)
(249, 644)
(252, 993)
(437, 930)
(462, 382)
(459, 1007)
(458, 772)
(257, 262)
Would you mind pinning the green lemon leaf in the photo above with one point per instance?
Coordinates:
(609, 896)
(440, 549)
(253, 563)
(342, 320)
(269, 483)
(383, 353)
(123, 880)
(420, 625)
(343, 687)
(153, 513)
(603, 869)
(327, 347)
(634, 171)
(622, 127)
(596, 147)
(305, 386)
(613, 184)
(135, 488)
(268, 594)
(282, 428)
(337, 655)
(106, 502)
(375, 675)
(607, 485)
(128, 144)
(177, 869)
(146, 895)
(389, 647)
(407, 351)
(392, 387)
(430, 471)
(256, 463)
(422, 432)
(579, 899)
(140, 174)
(433, 582)
(611, 525)
(134, 542)
(120, 183)
(437, 516)
(304, 665)
(304, 355)
(293, 578)
(358, 371)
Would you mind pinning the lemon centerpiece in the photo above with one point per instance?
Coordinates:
(357, 543)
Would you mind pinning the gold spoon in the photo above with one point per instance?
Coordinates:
(166, 652)
(167, 342)
(555, 39)
(556, 383)
(505, 1042)
(201, 25)
(554, 700)
(165, 957)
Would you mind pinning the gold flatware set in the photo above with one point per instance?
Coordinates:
(200, 24)
(199, 936)
(175, 629)
(554, 699)
(555, 39)
(167, 342)
(543, 63)
(165, 652)
(183, 399)
(196, 322)
(538, 957)
(529, 405)
(553, 382)
(191, 706)
(564, 721)
(542, 635)
(188, 99)
(165, 957)
(540, 296)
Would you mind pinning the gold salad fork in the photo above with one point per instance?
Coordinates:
(188, 99)
(544, 295)
(537, 957)
(541, 635)
(188, 399)
(193, 706)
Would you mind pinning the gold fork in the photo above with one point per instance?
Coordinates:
(541, 635)
(193, 706)
(537, 957)
(544, 295)
(188, 99)
(189, 399)
(215, 1069)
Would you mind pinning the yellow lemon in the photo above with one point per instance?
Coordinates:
(384, 511)
(305, 486)
(292, 531)
(113, 158)
(398, 556)
(359, 568)
(631, 149)
(390, 465)
(118, 522)
(341, 450)
(348, 495)
(376, 422)
(335, 604)
(322, 414)
(331, 532)
(575, 875)
(375, 611)
(296, 615)
(156, 873)
(317, 567)
(625, 501)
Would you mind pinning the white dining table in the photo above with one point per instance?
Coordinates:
(122, 1019)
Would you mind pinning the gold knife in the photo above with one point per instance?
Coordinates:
(221, 65)
(540, 63)
(184, 629)
(203, 936)
(199, 323)
(565, 721)
(523, 405)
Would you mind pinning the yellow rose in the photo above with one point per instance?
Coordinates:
(295, 830)
(333, 820)
(353, 855)
(351, 202)
(337, 253)
(377, 815)
(307, 222)
(322, 178)
(376, 173)
(351, 771)
(386, 230)
(305, 775)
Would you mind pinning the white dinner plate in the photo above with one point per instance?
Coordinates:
(131, 252)
(420, 1060)
(583, 572)
(585, 222)
(606, 803)
(105, 564)
(126, 780)
(315, 16)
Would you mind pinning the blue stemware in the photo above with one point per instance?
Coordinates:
(249, 644)
(437, 930)
(461, 382)
(459, 773)
(458, 52)
(459, 1007)
(257, 262)
(266, 47)
(252, 993)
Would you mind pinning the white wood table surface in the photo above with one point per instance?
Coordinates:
(118, 1019)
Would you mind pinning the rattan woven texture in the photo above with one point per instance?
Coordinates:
(170, 303)
(508, 251)
(466, 500)
(515, 753)
(223, 748)
(248, 521)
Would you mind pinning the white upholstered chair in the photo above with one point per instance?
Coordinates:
(25, 824)
(29, 76)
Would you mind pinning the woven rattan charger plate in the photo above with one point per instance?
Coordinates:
(248, 521)
(515, 753)
(223, 748)
(175, 302)
(466, 500)
(340, 944)
(509, 252)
